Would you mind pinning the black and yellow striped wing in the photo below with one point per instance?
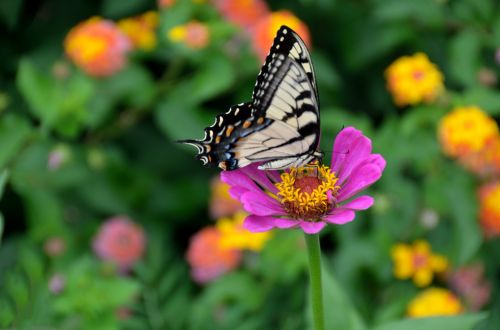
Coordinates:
(280, 126)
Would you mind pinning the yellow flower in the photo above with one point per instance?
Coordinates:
(414, 79)
(417, 262)
(141, 30)
(489, 209)
(434, 302)
(193, 34)
(466, 130)
(234, 236)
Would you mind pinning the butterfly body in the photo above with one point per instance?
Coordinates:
(280, 126)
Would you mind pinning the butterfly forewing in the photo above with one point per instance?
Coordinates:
(280, 126)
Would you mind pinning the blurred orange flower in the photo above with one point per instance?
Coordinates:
(234, 236)
(193, 34)
(244, 13)
(141, 29)
(485, 162)
(221, 203)
(207, 258)
(434, 302)
(418, 262)
(466, 130)
(489, 209)
(264, 31)
(97, 46)
(414, 79)
(165, 3)
(121, 241)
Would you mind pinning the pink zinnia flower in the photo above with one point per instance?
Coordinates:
(299, 198)
(121, 241)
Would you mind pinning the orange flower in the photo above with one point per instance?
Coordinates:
(489, 209)
(244, 13)
(193, 34)
(466, 130)
(414, 79)
(221, 203)
(434, 302)
(265, 30)
(485, 162)
(97, 46)
(141, 29)
(165, 3)
(208, 258)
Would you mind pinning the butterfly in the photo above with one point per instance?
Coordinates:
(280, 126)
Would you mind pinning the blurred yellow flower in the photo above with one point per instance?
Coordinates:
(466, 130)
(234, 236)
(417, 262)
(193, 34)
(414, 79)
(489, 209)
(434, 302)
(97, 46)
(141, 29)
(264, 31)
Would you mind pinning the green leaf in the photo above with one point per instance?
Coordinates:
(44, 213)
(461, 322)
(1, 227)
(427, 12)
(3, 181)
(214, 77)
(14, 132)
(38, 90)
(172, 111)
(9, 12)
(487, 99)
(118, 9)
(464, 57)
(340, 313)
(59, 104)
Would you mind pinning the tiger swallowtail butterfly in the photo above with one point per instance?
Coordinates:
(280, 126)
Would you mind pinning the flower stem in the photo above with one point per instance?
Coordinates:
(314, 254)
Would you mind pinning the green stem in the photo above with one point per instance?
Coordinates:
(314, 255)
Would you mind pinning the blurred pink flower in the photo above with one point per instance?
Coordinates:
(56, 283)
(208, 258)
(54, 246)
(120, 241)
(305, 200)
(470, 284)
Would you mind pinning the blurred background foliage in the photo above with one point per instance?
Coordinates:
(90, 109)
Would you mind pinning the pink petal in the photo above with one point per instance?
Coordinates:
(237, 178)
(311, 227)
(362, 177)
(357, 152)
(340, 216)
(259, 176)
(285, 223)
(341, 145)
(257, 224)
(359, 203)
(261, 204)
